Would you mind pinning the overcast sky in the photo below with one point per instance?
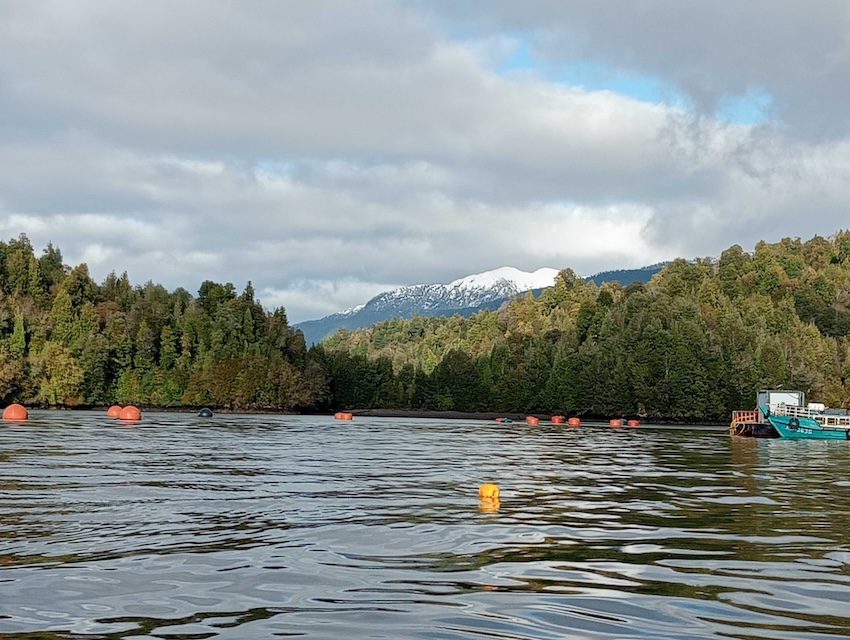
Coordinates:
(330, 150)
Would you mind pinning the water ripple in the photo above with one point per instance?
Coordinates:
(263, 526)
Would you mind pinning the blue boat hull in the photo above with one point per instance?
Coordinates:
(805, 428)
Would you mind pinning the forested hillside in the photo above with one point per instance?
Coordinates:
(695, 342)
(64, 340)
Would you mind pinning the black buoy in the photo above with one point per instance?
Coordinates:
(205, 413)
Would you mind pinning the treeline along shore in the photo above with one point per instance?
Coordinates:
(693, 344)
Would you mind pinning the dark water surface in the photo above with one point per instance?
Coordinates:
(277, 526)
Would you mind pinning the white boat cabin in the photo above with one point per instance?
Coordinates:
(774, 397)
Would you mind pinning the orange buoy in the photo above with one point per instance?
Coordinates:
(15, 412)
(574, 422)
(532, 420)
(616, 423)
(557, 419)
(130, 413)
(114, 411)
(343, 415)
(633, 423)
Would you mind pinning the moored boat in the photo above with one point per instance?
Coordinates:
(753, 423)
(784, 413)
(813, 421)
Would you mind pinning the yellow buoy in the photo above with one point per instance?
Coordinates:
(488, 491)
(488, 496)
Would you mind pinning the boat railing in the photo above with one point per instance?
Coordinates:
(823, 419)
(793, 410)
(745, 417)
(742, 421)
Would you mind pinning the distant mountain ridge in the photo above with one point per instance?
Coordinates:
(627, 276)
(488, 290)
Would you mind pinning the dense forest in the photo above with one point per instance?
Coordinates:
(694, 343)
(64, 340)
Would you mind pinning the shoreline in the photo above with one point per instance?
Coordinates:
(399, 413)
(517, 417)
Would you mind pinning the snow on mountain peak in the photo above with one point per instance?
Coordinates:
(470, 291)
(522, 280)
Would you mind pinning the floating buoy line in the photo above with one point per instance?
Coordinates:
(16, 413)
(573, 421)
(488, 493)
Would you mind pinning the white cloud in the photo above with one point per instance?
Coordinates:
(319, 298)
(322, 151)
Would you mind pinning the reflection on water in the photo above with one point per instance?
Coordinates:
(265, 526)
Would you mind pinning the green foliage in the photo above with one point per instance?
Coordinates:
(11, 372)
(64, 340)
(57, 375)
(694, 343)
(51, 267)
(17, 265)
(18, 340)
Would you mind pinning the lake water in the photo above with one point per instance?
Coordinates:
(274, 526)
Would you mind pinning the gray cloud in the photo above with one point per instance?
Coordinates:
(796, 52)
(326, 152)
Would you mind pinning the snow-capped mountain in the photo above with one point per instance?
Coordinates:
(465, 295)
(471, 291)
